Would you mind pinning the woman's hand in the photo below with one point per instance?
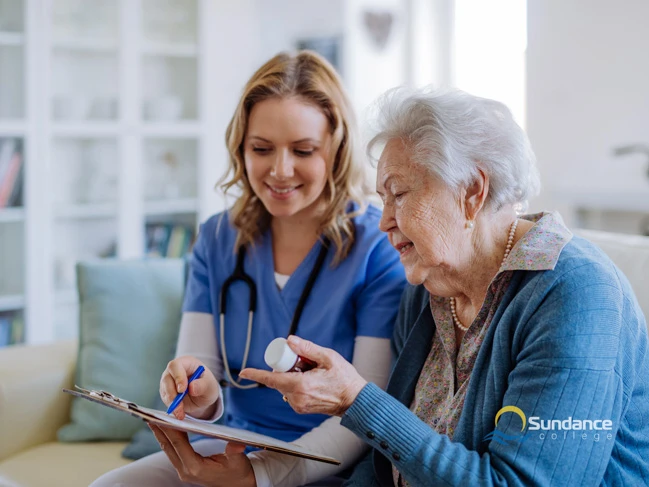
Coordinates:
(200, 402)
(231, 468)
(330, 388)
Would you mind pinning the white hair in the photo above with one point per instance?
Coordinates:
(453, 134)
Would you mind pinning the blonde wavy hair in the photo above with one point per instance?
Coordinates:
(308, 77)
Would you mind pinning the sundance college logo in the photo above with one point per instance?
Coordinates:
(551, 429)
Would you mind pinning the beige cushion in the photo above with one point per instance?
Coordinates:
(631, 254)
(32, 406)
(57, 464)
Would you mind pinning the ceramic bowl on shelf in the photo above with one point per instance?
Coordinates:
(70, 107)
(164, 108)
(104, 108)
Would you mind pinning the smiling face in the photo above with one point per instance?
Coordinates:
(423, 219)
(287, 156)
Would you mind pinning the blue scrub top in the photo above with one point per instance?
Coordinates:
(359, 297)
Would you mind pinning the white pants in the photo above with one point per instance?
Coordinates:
(157, 471)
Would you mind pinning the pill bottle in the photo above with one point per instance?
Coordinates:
(281, 358)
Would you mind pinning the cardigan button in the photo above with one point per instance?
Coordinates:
(370, 435)
(396, 456)
(384, 445)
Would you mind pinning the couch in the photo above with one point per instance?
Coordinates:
(32, 407)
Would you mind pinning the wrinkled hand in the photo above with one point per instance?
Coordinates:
(330, 388)
(231, 468)
(200, 402)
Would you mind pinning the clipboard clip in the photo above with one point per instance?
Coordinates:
(107, 396)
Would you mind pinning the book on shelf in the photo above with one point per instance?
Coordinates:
(18, 329)
(11, 172)
(12, 329)
(7, 148)
(5, 331)
(168, 240)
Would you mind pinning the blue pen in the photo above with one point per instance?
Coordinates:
(181, 396)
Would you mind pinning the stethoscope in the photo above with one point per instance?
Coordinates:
(239, 274)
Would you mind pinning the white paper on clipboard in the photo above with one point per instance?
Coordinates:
(193, 426)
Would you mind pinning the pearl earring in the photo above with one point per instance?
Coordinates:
(468, 224)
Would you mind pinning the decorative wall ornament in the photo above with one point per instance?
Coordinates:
(378, 26)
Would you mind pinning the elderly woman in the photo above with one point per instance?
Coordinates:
(521, 351)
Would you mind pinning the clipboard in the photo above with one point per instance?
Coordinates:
(193, 426)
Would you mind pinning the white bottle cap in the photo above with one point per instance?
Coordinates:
(279, 355)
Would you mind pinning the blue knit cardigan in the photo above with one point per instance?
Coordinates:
(568, 344)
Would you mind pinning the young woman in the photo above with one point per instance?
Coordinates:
(303, 233)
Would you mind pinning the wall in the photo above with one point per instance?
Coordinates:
(369, 69)
(431, 33)
(281, 23)
(252, 31)
(230, 26)
(246, 33)
(588, 91)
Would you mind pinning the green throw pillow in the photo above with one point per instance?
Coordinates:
(129, 317)
(143, 442)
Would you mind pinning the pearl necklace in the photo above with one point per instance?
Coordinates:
(510, 241)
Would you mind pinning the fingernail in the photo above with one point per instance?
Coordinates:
(294, 340)
(179, 388)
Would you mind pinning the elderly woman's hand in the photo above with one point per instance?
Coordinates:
(330, 388)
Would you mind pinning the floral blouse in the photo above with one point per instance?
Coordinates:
(441, 389)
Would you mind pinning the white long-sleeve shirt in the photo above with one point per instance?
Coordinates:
(371, 359)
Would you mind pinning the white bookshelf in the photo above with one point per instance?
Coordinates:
(171, 207)
(12, 302)
(173, 130)
(86, 211)
(114, 99)
(170, 49)
(109, 100)
(87, 45)
(12, 215)
(86, 130)
(13, 128)
(11, 39)
(15, 135)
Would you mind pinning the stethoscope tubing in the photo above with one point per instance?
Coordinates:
(239, 274)
(226, 366)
